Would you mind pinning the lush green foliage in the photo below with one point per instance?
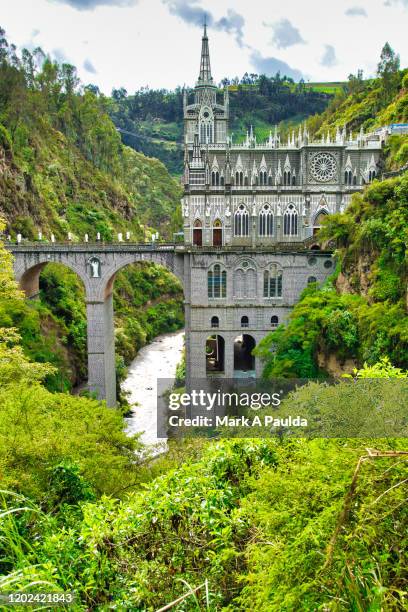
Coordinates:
(243, 516)
(64, 167)
(368, 104)
(361, 314)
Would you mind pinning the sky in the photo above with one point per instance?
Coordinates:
(156, 43)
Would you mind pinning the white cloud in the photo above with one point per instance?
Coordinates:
(134, 45)
(356, 11)
(89, 67)
(285, 34)
(89, 5)
(329, 57)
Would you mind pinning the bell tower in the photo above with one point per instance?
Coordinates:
(206, 117)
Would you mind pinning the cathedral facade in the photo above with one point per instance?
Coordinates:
(250, 211)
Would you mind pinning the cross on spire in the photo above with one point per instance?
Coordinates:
(205, 66)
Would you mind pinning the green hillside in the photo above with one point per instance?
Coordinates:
(64, 169)
(366, 104)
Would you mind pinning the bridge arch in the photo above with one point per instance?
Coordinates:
(96, 266)
(27, 273)
(111, 268)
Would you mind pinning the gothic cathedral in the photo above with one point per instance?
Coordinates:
(250, 211)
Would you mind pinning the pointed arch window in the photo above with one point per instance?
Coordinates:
(239, 178)
(266, 221)
(215, 178)
(273, 282)
(286, 177)
(348, 177)
(290, 221)
(263, 178)
(241, 222)
(217, 282)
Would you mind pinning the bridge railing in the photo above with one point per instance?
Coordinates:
(89, 246)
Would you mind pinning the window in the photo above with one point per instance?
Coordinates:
(371, 175)
(217, 282)
(274, 321)
(241, 222)
(263, 178)
(215, 178)
(215, 322)
(290, 221)
(239, 179)
(244, 321)
(244, 282)
(348, 177)
(273, 282)
(311, 279)
(294, 179)
(266, 221)
(206, 132)
(286, 178)
(328, 264)
(197, 178)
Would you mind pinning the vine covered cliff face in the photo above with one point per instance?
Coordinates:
(63, 166)
(64, 169)
(360, 314)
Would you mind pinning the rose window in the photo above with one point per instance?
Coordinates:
(323, 167)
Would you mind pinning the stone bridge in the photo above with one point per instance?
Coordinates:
(96, 265)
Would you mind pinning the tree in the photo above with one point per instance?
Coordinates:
(119, 94)
(388, 70)
(355, 82)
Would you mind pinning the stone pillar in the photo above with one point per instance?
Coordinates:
(229, 354)
(101, 349)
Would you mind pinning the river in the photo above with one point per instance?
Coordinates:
(158, 359)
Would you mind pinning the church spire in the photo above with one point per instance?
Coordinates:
(205, 66)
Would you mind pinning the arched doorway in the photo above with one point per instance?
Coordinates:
(244, 360)
(198, 233)
(318, 221)
(214, 353)
(217, 233)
